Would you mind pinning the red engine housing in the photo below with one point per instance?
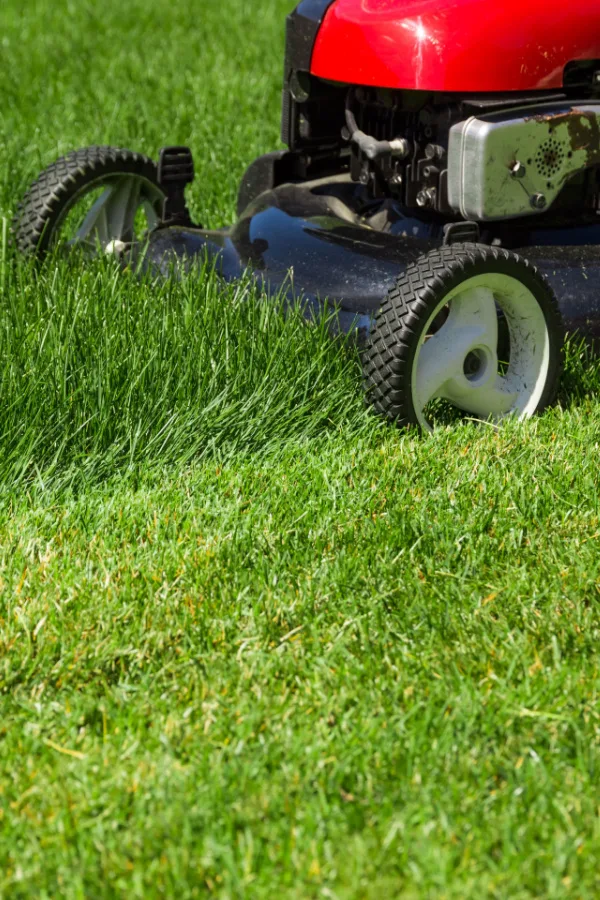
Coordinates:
(460, 46)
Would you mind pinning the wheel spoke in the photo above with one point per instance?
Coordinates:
(112, 216)
(472, 322)
(122, 207)
(441, 359)
(94, 228)
(476, 307)
(493, 398)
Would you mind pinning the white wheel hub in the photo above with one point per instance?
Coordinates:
(459, 362)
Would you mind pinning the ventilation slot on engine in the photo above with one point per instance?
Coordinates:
(549, 158)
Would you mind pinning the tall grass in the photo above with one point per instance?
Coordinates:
(102, 370)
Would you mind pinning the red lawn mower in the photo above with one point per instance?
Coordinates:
(440, 191)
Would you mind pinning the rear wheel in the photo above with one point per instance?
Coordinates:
(435, 341)
(98, 199)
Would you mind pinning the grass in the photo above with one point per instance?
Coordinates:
(104, 372)
(253, 642)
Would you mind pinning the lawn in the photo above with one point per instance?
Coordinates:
(255, 643)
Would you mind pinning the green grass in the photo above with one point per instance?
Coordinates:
(253, 642)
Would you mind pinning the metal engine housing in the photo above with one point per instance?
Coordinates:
(515, 163)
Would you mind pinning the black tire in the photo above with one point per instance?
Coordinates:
(405, 314)
(48, 200)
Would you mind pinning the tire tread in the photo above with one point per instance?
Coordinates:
(401, 318)
(42, 204)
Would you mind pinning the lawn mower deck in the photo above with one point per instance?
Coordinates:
(313, 243)
(440, 192)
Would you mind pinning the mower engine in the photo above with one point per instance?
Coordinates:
(485, 161)
(455, 151)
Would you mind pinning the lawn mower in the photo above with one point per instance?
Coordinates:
(439, 194)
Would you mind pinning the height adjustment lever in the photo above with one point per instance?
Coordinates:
(175, 172)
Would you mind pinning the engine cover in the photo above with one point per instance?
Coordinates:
(455, 45)
(515, 163)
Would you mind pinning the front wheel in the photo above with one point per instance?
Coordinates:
(98, 199)
(436, 338)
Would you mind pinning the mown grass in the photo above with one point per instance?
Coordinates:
(254, 643)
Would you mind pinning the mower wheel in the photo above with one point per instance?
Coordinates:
(97, 199)
(436, 337)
